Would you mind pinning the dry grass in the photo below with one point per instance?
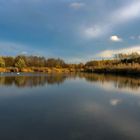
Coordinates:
(37, 69)
(118, 69)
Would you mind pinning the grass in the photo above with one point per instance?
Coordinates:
(37, 69)
(115, 69)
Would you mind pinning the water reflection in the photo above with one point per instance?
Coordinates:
(126, 84)
(80, 108)
(106, 81)
(31, 80)
(119, 81)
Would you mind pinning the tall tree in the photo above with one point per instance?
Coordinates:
(20, 63)
(2, 62)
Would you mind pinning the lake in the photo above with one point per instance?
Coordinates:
(69, 107)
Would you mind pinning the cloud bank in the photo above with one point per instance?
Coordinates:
(115, 18)
(111, 53)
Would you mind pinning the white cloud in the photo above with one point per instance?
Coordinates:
(77, 5)
(115, 38)
(93, 32)
(127, 13)
(111, 21)
(111, 53)
(106, 54)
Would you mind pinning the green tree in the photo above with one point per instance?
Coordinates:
(2, 62)
(20, 63)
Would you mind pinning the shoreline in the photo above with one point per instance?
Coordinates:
(36, 69)
(130, 71)
(125, 70)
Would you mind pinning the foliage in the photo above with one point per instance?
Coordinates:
(20, 63)
(128, 58)
(100, 63)
(9, 61)
(58, 63)
(2, 62)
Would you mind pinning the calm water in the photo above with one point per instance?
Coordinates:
(69, 107)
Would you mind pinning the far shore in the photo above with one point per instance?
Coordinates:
(123, 70)
(126, 64)
(37, 69)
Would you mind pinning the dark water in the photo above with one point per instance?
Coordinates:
(69, 107)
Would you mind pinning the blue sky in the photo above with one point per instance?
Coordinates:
(75, 30)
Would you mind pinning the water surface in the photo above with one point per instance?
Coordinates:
(69, 107)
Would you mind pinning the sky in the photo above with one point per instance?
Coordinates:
(74, 30)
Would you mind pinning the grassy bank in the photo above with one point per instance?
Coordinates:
(131, 69)
(37, 69)
(123, 69)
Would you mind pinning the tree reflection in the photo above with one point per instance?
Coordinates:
(41, 80)
(118, 81)
(31, 81)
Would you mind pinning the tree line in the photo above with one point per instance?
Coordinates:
(125, 59)
(30, 61)
(22, 61)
